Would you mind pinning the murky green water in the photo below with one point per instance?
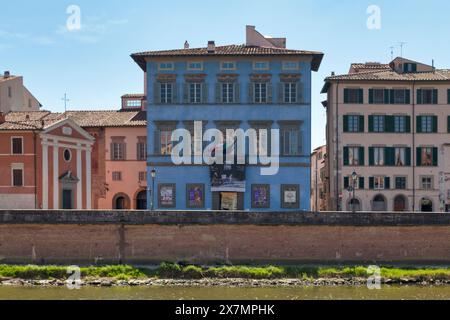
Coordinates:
(227, 293)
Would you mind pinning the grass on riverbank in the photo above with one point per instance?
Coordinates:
(175, 271)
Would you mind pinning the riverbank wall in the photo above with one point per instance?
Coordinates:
(208, 237)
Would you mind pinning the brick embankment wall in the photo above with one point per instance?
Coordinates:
(88, 237)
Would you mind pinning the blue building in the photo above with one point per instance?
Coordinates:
(259, 85)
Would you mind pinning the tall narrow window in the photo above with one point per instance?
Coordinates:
(291, 144)
(400, 124)
(378, 156)
(400, 156)
(195, 92)
(260, 94)
(17, 145)
(17, 177)
(378, 124)
(117, 149)
(166, 92)
(290, 92)
(227, 92)
(141, 148)
(353, 156)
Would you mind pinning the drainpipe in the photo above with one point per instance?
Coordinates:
(337, 147)
(413, 130)
(35, 173)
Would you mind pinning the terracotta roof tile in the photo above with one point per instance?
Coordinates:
(438, 75)
(230, 50)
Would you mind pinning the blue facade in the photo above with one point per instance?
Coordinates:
(294, 169)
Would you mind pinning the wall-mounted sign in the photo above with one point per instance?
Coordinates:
(227, 178)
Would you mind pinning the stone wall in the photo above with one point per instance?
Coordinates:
(88, 237)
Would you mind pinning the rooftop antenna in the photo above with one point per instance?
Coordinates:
(65, 101)
(401, 48)
(392, 52)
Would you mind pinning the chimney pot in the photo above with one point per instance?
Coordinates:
(6, 74)
(211, 46)
(186, 45)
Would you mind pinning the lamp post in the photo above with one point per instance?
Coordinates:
(152, 203)
(354, 180)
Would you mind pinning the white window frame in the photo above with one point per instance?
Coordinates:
(295, 67)
(227, 91)
(351, 123)
(161, 64)
(164, 88)
(379, 157)
(133, 103)
(198, 92)
(290, 87)
(402, 153)
(17, 166)
(190, 68)
(381, 186)
(227, 69)
(431, 182)
(354, 157)
(260, 98)
(119, 150)
(12, 145)
(399, 124)
(255, 63)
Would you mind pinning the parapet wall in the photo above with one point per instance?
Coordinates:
(89, 237)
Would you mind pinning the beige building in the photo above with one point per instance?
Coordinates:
(390, 125)
(319, 190)
(14, 96)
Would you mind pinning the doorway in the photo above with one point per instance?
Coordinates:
(67, 199)
(400, 203)
(426, 205)
(141, 200)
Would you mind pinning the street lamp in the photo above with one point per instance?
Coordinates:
(354, 180)
(153, 175)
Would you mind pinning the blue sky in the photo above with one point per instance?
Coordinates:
(93, 65)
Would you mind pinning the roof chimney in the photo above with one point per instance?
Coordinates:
(211, 47)
(186, 45)
(7, 74)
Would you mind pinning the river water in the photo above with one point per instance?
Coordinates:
(226, 293)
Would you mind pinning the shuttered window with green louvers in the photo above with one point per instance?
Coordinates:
(353, 96)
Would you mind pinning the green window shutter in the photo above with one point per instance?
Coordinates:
(419, 96)
(388, 156)
(407, 96)
(386, 96)
(419, 124)
(345, 95)
(361, 96)
(405, 67)
(371, 156)
(390, 123)
(408, 124)
(371, 183)
(370, 96)
(419, 157)
(345, 124)
(435, 124)
(448, 124)
(387, 183)
(346, 160)
(370, 123)
(361, 156)
(435, 157)
(361, 182)
(435, 96)
(391, 98)
(361, 123)
(448, 96)
(414, 67)
(346, 183)
(408, 157)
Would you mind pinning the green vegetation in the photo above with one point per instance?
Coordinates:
(176, 271)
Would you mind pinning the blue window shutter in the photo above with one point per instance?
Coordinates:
(218, 92)
(156, 142)
(156, 93)
(237, 92)
(269, 92)
(251, 92)
(205, 92)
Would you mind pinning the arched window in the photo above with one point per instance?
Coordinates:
(379, 203)
(354, 205)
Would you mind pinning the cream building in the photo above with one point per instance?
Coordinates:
(319, 190)
(389, 124)
(14, 96)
